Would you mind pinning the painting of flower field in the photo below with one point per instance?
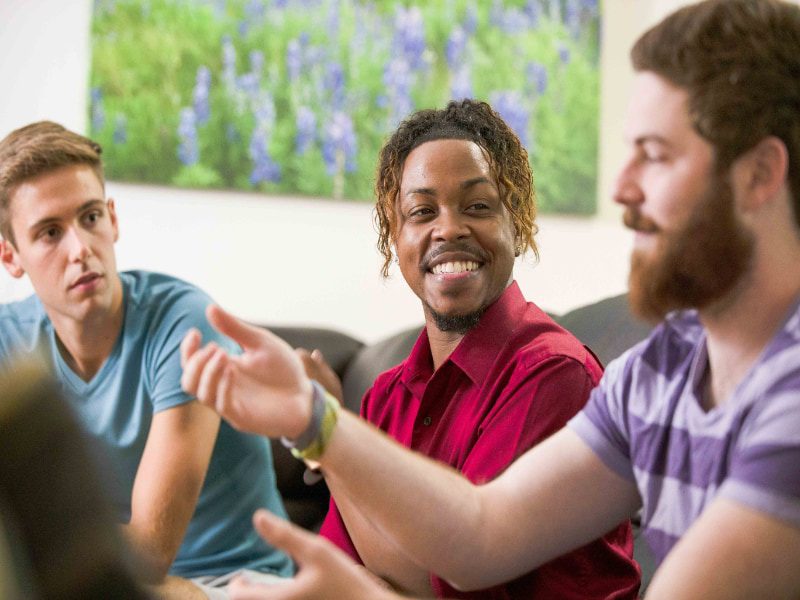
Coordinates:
(296, 97)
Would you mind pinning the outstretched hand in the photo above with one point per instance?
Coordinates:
(325, 571)
(264, 390)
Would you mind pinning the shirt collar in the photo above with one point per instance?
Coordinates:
(476, 352)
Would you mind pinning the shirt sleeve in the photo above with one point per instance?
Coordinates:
(765, 466)
(538, 401)
(602, 422)
(172, 321)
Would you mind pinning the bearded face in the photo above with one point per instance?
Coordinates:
(695, 264)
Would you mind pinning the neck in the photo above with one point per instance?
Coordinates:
(740, 326)
(86, 344)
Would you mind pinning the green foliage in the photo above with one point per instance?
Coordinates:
(149, 100)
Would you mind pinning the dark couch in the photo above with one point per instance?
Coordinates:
(607, 327)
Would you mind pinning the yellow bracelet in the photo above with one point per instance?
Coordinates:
(315, 449)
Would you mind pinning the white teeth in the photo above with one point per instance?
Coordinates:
(455, 267)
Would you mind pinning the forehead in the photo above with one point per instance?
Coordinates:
(657, 109)
(439, 162)
(51, 194)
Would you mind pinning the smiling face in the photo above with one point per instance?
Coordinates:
(64, 234)
(690, 248)
(454, 237)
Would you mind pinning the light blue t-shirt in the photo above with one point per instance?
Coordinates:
(142, 377)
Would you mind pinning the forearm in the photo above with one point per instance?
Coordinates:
(365, 464)
(150, 548)
(380, 555)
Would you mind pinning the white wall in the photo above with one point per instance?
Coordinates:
(288, 261)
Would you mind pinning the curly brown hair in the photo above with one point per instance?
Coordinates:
(739, 62)
(36, 149)
(460, 120)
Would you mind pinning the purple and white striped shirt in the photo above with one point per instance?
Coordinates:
(646, 422)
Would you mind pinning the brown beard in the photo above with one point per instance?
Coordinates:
(695, 265)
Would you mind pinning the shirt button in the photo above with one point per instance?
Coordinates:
(427, 421)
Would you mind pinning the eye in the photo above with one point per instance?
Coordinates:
(420, 212)
(92, 217)
(49, 234)
(479, 205)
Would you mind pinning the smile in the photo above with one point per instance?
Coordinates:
(456, 267)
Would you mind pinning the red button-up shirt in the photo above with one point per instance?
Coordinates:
(513, 380)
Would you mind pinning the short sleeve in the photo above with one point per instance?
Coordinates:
(175, 316)
(765, 465)
(602, 422)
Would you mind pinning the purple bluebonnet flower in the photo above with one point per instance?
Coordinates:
(333, 19)
(264, 166)
(201, 88)
(564, 54)
(514, 112)
(509, 20)
(228, 62)
(397, 81)
(572, 18)
(334, 84)
(536, 74)
(339, 144)
(248, 83)
(533, 10)
(471, 19)
(256, 61)
(188, 151)
(456, 47)
(294, 59)
(306, 122)
(254, 12)
(120, 135)
(98, 112)
(409, 35)
(461, 85)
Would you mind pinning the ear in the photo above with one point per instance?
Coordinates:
(762, 171)
(10, 258)
(112, 214)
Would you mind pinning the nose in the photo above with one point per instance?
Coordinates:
(78, 244)
(627, 190)
(451, 224)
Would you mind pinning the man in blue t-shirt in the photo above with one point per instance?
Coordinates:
(185, 483)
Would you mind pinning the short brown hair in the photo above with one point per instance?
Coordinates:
(739, 61)
(465, 120)
(36, 149)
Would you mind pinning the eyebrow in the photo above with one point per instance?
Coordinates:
(464, 185)
(83, 207)
(651, 138)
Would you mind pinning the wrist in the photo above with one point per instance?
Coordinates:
(310, 443)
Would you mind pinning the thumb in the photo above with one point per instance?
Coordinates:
(296, 542)
(247, 336)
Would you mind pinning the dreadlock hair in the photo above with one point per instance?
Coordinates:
(467, 120)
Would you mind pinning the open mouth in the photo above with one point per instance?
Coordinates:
(458, 266)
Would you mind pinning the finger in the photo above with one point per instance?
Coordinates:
(297, 542)
(193, 369)
(209, 379)
(241, 588)
(317, 355)
(189, 344)
(247, 336)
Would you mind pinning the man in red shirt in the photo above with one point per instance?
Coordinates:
(491, 375)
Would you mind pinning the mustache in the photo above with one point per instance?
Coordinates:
(634, 219)
(479, 254)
